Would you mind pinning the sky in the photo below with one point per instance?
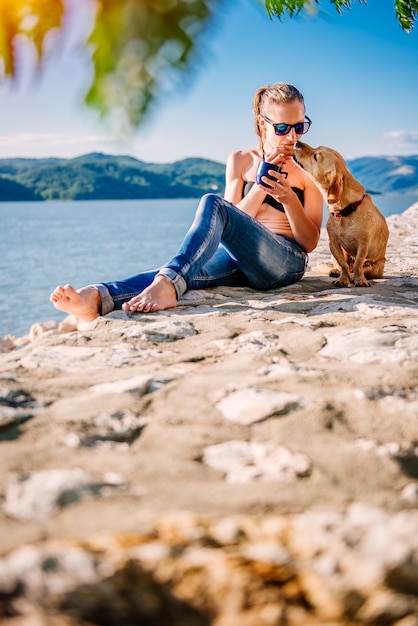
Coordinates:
(357, 71)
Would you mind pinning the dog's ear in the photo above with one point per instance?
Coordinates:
(335, 189)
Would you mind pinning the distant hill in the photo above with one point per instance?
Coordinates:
(384, 174)
(11, 191)
(105, 177)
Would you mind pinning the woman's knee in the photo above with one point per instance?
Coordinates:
(210, 201)
(210, 204)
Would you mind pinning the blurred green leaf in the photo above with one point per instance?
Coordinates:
(407, 13)
(139, 47)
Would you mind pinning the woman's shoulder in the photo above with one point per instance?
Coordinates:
(241, 162)
(243, 157)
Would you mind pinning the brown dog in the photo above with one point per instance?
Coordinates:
(358, 233)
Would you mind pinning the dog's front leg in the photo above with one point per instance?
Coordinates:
(335, 272)
(358, 268)
(338, 254)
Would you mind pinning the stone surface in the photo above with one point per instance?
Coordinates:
(315, 568)
(246, 458)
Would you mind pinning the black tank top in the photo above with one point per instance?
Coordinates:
(272, 201)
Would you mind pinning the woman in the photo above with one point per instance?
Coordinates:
(258, 235)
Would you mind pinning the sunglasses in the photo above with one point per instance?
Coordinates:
(283, 129)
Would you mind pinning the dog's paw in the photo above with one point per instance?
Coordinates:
(335, 273)
(361, 282)
(341, 282)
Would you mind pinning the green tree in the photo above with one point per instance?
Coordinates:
(138, 46)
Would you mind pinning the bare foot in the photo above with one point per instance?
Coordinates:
(158, 296)
(84, 303)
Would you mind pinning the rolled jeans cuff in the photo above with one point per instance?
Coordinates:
(178, 281)
(107, 301)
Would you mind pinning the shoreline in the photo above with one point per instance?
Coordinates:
(20, 325)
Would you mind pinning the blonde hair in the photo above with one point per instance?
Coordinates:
(279, 93)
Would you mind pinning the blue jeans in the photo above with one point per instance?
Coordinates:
(223, 247)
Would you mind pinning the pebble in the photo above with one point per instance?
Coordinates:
(250, 404)
(246, 462)
(157, 332)
(372, 345)
(116, 430)
(139, 385)
(256, 341)
(17, 406)
(40, 495)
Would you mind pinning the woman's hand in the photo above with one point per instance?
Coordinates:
(305, 221)
(277, 156)
(277, 186)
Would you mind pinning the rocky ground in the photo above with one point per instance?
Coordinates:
(247, 459)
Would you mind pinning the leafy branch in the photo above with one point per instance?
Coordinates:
(406, 10)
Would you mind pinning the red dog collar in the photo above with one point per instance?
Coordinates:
(350, 208)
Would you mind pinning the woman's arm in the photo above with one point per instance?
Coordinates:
(305, 221)
(238, 163)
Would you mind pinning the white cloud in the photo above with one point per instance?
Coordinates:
(19, 139)
(402, 139)
(51, 144)
(404, 170)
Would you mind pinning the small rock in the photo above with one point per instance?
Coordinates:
(279, 370)
(119, 429)
(7, 343)
(69, 324)
(245, 462)
(372, 345)
(251, 405)
(41, 494)
(385, 607)
(138, 385)
(17, 406)
(256, 341)
(410, 493)
(157, 332)
(42, 328)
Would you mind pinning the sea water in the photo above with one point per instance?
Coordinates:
(45, 244)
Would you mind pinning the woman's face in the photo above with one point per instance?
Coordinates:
(289, 113)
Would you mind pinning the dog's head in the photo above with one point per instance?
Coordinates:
(326, 166)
